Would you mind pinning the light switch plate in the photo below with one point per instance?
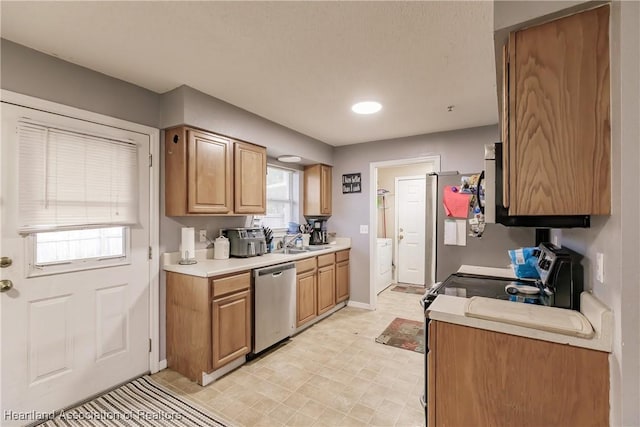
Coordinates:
(202, 236)
(364, 229)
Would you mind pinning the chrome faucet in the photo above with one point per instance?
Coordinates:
(286, 244)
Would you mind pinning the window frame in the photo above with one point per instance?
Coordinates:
(293, 200)
(59, 267)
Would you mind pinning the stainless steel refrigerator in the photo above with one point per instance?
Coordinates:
(490, 250)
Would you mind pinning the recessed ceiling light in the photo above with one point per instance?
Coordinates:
(366, 107)
(289, 159)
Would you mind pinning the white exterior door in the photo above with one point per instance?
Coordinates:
(72, 334)
(410, 214)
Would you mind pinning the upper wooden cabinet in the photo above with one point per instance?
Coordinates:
(206, 173)
(250, 178)
(317, 190)
(556, 117)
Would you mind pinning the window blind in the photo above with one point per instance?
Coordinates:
(68, 179)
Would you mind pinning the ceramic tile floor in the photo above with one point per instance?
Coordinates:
(331, 374)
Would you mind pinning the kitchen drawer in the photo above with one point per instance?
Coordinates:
(229, 284)
(327, 259)
(305, 265)
(342, 256)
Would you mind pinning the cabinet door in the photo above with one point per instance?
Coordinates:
(231, 327)
(317, 190)
(305, 297)
(209, 173)
(560, 131)
(325, 189)
(326, 288)
(250, 171)
(342, 281)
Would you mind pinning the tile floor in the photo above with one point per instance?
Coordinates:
(331, 374)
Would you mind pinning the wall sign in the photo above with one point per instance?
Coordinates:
(351, 183)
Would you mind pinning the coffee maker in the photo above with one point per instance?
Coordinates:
(318, 230)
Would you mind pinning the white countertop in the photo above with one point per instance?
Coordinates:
(208, 267)
(451, 309)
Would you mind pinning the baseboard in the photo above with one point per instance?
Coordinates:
(356, 304)
(323, 316)
(209, 378)
(162, 364)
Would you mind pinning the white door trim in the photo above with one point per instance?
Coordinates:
(395, 222)
(373, 212)
(154, 194)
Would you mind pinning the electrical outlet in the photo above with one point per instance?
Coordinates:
(364, 229)
(600, 267)
(203, 236)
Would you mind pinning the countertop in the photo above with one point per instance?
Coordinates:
(208, 267)
(451, 309)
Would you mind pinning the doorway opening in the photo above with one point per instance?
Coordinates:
(398, 246)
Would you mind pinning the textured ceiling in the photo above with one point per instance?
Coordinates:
(300, 64)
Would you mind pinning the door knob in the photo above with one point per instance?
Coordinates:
(5, 262)
(5, 285)
(400, 237)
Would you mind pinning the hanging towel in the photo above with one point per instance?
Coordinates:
(456, 204)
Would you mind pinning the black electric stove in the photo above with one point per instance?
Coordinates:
(471, 285)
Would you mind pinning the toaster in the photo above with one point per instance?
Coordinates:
(245, 242)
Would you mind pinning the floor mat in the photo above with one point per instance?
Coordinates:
(141, 402)
(408, 289)
(404, 333)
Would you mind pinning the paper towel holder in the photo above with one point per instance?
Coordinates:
(187, 260)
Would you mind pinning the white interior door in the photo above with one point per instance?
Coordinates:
(410, 214)
(69, 335)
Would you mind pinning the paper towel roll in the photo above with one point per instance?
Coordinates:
(187, 246)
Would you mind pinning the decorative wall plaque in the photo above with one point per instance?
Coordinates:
(351, 183)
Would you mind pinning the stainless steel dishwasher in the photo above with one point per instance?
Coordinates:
(275, 305)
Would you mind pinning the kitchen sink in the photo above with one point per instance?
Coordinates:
(290, 251)
(317, 247)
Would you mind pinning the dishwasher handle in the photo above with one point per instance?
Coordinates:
(274, 270)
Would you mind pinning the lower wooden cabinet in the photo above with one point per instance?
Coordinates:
(326, 288)
(484, 378)
(231, 327)
(342, 276)
(208, 322)
(306, 297)
(322, 282)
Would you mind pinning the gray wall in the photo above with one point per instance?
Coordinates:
(33, 73)
(461, 150)
(616, 236)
